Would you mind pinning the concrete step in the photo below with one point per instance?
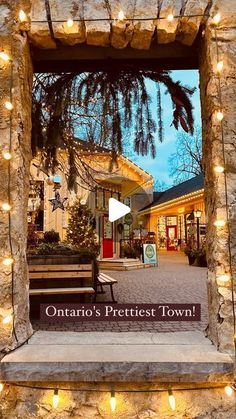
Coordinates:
(122, 264)
(163, 357)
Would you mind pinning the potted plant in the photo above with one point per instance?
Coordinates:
(190, 251)
(201, 256)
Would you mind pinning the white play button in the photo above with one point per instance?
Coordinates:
(117, 209)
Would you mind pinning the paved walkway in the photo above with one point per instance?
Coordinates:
(173, 281)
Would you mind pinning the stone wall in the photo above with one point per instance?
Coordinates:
(21, 402)
(16, 45)
(220, 297)
(120, 33)
(30, 403)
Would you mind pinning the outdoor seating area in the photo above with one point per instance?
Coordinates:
(162, 284)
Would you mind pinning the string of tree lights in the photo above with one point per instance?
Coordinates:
(221, 169)
(7, 207)
(113, 393)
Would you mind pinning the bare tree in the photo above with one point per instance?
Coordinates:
(186, 162)
(160, 185)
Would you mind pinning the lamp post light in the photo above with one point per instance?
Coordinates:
(140, 228)
(197, 215)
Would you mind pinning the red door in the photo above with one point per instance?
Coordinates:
(171, 233)
(107, 238)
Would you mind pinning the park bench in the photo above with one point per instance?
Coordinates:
(61, 279)
(101, 281)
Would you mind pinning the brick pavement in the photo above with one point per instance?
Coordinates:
(173, 281)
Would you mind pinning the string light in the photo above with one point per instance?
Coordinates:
(22, 16)
(219, 169)
(219, 66)
(219, 223)
(70, 23)
(229, 391)
(55, 399)
(6, 206)
(113, 401)
(170, 17)
(171, 398)
(222, 223)
(219, 115)
(216, 18)
(8, 105)
(121, 15)
(4, 56)
(8, 319)
(8, 261)
(224, 277)
(1, 387)
(6, 155)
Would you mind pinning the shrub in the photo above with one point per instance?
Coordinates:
(51, 236)
(32, 238)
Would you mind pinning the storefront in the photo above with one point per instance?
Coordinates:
(177, 214)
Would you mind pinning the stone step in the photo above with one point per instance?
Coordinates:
(68, 356)
(123, 264)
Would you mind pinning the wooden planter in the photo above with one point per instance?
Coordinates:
(36, 300)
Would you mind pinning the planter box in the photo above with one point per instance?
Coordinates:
(50, 283)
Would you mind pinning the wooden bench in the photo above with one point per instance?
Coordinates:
(101, 281)
(48, 279)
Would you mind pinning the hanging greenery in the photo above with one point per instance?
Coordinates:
(100, 107)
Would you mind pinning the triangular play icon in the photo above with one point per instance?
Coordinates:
(117, 209)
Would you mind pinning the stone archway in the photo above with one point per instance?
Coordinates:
(44, 34)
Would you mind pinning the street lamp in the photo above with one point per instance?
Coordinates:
(140, 228)
(197, 215)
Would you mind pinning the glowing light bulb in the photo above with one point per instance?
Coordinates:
(219, 223)
(113, 401)
(8, 319)
(219, 169)
(170, 17)
(6, 155)
(8, 105)
(219, 115)
(70, 23)
(4, 56)
(1, 387)
(22, 16)
(8, 261)
(216, 18)
(219, 66)
(171, 400)
(6, 206)
(224, 277)
(55, 399)
(228, 390)
(121, 15)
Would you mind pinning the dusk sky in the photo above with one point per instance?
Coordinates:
(158, 167)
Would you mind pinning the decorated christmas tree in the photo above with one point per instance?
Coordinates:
(81, 229)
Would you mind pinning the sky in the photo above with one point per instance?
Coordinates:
(158, 167)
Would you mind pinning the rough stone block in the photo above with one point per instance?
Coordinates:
(188, 26)
(97, 33)
(166, 31)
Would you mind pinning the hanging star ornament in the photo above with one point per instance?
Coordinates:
(57, 202)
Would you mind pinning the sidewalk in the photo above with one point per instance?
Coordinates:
(173, 281)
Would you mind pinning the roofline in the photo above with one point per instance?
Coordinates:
(144, 173)
(136, 166)
(187, 197)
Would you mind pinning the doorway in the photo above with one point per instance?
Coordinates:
(107, 237)
(171, 234)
